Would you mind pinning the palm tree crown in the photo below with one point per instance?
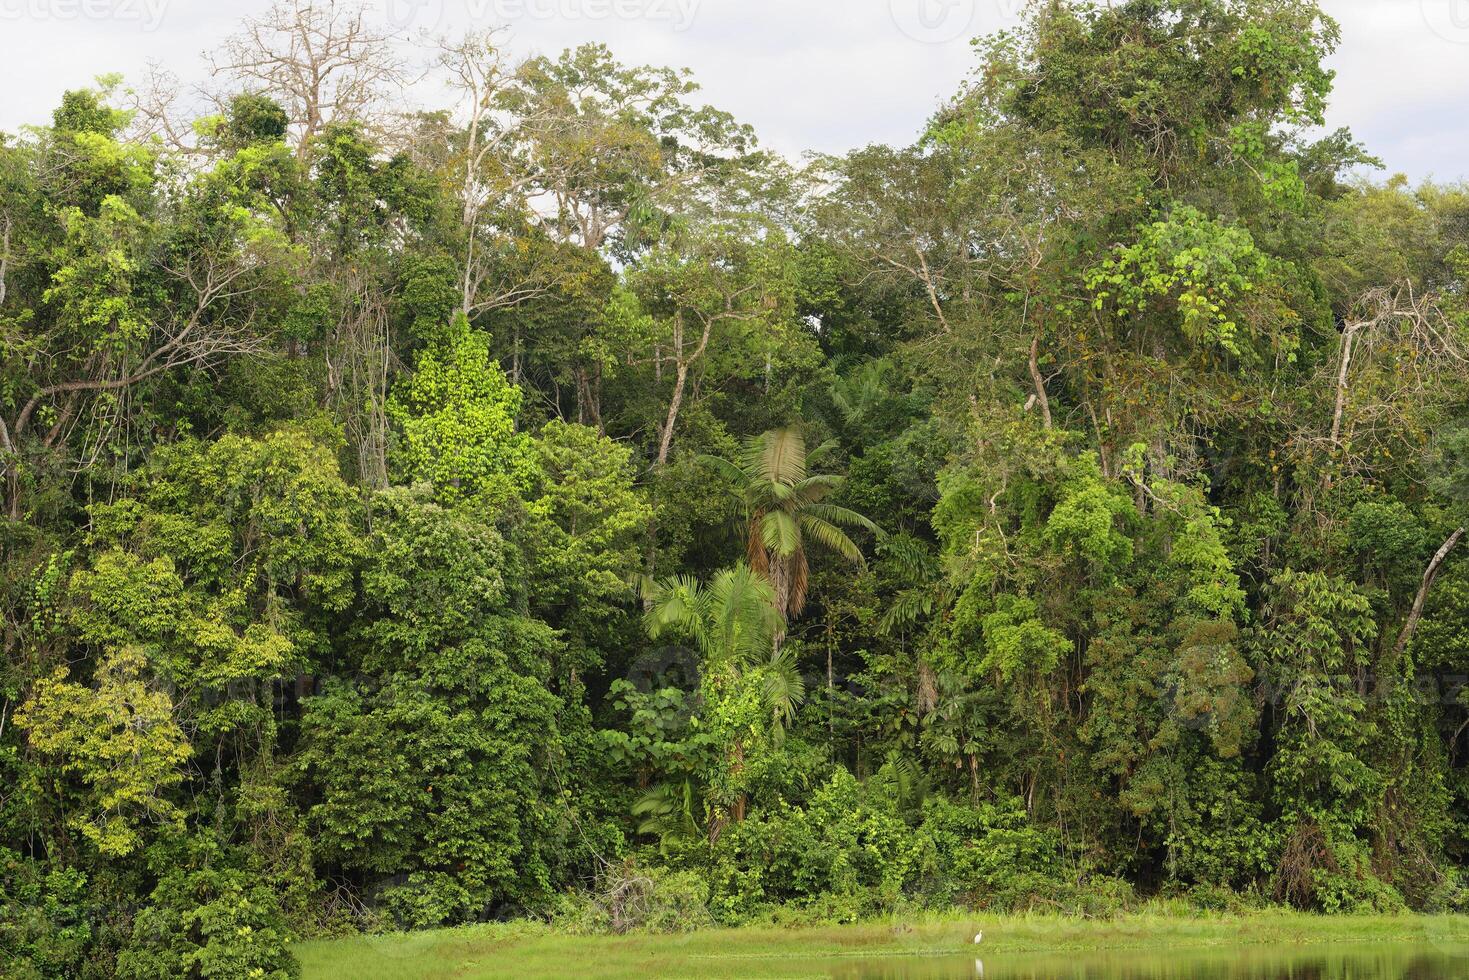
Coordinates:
(786, 509)
(734, 619)
(735, 623)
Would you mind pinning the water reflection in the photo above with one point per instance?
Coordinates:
(1327, 963)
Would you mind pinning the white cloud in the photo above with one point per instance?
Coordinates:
(809, 74)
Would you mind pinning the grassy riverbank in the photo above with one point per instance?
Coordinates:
(530, 951)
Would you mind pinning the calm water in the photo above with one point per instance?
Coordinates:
(1408, 962)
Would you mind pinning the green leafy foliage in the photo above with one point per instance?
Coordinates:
(567, 509)
(122, 743)
(458, 415)
(210, 917)
(435, 765)
(1200, 267)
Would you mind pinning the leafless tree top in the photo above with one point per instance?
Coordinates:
(322, 58)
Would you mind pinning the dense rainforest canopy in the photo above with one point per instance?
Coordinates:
(553, 504)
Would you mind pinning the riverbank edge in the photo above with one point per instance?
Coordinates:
(525, 947)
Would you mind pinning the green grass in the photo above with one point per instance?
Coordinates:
(527, 951)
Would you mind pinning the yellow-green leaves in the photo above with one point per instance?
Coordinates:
(120, 738)
(1016, 641)
(458, 416)
(1086, 521)
(93, 288)
(1188, 263)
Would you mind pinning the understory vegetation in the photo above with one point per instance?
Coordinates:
(548, 504)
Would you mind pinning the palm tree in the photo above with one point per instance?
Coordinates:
(735, 622)
(786, 510)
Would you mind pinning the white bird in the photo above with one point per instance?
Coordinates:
(978, 937)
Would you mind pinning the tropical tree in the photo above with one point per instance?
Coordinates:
(458, 416)
(750, 686)
(786, 508)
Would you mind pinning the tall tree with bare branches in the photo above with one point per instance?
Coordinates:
(324, 60)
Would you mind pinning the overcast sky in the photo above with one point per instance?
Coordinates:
(823, 75)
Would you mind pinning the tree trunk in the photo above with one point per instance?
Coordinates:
(4, 258)
(12, 491)
(1434, 567)
(595, 394)
(1038, 381)
(10, 466)
(931, 289)
(831, 722)
(466, 285)
(588, 399)
(681, 378)
(665, 441)
(1348, 336)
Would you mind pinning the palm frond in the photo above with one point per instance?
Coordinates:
(784, 505)
(842, 516)
(730, 472)
(677, 604)
(912, 555)
(799, 578)
(906, 608)
(831, 537)
(667, 811)
(744, 620)
(782, 689)
(780, 533)
(776, 493)
(816, 488)
(898, 775)
(820, 452)
(777, 456)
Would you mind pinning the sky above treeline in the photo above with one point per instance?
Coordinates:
(824, 75)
